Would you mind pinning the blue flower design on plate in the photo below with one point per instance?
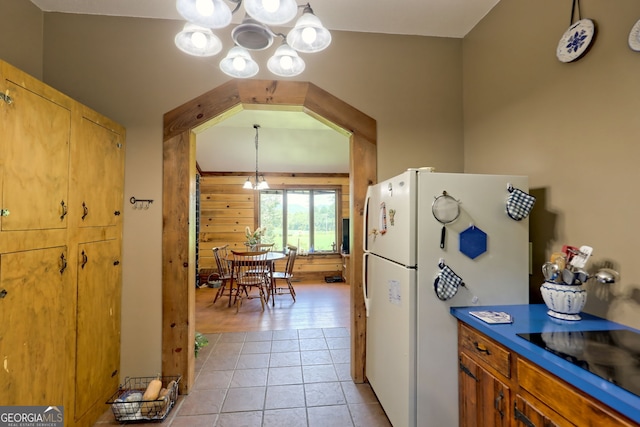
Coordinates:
(576, 41)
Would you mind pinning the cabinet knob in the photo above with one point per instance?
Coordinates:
(4, 212)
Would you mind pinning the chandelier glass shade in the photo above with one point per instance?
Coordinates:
(259, 183)
(197, 38)
(239, 63)
(285, 62)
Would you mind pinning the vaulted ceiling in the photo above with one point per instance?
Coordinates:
(294, 138)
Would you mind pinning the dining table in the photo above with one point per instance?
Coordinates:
(272, 257)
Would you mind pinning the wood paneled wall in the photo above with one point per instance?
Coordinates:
(226, 209)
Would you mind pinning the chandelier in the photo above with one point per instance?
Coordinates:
(253, 34)
(259, 182)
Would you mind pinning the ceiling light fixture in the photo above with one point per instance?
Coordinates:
(197, 38)
(259, 182)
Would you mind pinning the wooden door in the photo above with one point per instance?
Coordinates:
(35, 321)
(98, 167)
(484, 400)
(35, 150)
(496, 403)
(468, 391)
(98, 323)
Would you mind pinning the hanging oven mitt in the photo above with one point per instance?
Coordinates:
(447, 283)
(519, 203)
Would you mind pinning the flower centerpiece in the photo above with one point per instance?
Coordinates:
(254, 237)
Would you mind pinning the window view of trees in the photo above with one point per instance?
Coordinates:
(302, 218)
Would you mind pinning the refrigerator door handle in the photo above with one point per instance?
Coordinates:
(364, 282)
(365, 245)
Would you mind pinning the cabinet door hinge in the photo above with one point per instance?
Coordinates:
(467, 371)
(6, 98)
(520, 416)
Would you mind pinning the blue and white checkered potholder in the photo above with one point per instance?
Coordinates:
(519, 203)
(447, 283)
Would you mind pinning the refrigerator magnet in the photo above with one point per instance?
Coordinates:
(383, 218)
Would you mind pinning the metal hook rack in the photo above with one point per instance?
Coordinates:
(140, 203)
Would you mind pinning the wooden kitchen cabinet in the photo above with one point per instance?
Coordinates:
(98, 318)
(484, 371)
(484, 399)
(60, 260)
(498, 387)
(99, 159)
(35, 154)
(35, 310)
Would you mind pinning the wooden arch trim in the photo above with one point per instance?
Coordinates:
(178, 204)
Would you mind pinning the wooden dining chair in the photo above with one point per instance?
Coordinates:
(264, 246)
(224, 274)
(285, 275)
(250, 273)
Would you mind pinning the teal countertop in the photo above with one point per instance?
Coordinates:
(531, 318)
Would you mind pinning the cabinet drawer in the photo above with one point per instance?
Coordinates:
(485, 349)
(565, 399)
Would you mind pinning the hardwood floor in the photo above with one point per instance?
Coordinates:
(318, 305)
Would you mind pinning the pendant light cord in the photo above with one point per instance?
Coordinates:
(256, 127)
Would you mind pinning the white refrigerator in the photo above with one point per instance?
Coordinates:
(424, 231)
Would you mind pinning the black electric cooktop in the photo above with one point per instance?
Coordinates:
(613, 355)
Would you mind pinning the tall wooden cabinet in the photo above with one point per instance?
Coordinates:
(61, 196)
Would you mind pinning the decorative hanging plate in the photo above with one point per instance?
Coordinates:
(634, 37)
(576, 40)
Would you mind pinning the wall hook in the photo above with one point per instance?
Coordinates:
(140, 203)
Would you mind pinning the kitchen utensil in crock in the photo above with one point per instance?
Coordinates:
(550, 271)
(606, 276)
(559, 259)
(568, 276)
(580, 259)
(445, 209)
(581, 275)
(569, 252)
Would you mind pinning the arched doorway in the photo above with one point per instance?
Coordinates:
(178, 205)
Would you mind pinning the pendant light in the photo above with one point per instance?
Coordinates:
(239, 63)
(198, 41)
(254, 33)
(205, 13)
(285, 62)
(309, 35)
(259, 182)
(271, 12)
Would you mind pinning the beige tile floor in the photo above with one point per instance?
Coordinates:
(282, 378)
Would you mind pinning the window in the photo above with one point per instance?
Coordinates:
(305, 218)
